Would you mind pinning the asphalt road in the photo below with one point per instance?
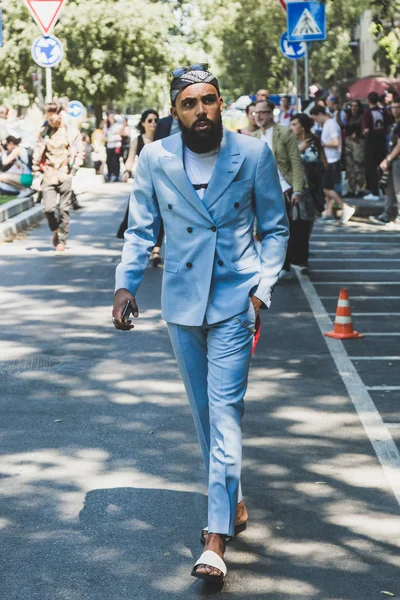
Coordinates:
(102, 492)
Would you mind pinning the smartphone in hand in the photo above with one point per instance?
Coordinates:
(126, 312)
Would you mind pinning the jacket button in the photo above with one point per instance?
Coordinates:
(220, 263)
(236, 204)
(189, 265)
(170, 206)
(189, 229)
(213, 228)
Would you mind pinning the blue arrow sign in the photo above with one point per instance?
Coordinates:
(292, 50)
(75, 108)
(47, 51)
(306, 21)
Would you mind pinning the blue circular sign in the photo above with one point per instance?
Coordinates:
(47, 51)
(75, 108)
(292, 50)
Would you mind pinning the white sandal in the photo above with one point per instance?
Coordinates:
(210, 559)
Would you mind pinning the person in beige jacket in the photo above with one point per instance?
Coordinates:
(284, 147)
(58, 154)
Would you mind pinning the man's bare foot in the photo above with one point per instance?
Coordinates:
(55, 238)
(241, 517)
(60, 247)
(216, 543)
(241, 513)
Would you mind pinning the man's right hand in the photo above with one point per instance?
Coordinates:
(122, 296)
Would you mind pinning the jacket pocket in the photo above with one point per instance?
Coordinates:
(172, 266)
(240, 184)
(247, 263)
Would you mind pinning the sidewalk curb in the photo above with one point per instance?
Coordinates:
(14, 207)
(20, 222)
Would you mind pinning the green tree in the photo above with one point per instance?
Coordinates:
(387, 32)
(112, 49)
(243, 39)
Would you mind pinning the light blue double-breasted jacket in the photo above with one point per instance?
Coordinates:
(212, 264)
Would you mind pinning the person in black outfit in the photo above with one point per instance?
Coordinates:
(355, 150)
(375, 123)
(302, 215)
(147, 128)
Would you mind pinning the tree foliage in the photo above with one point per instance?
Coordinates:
(387, 32)
(243, 39)
(112, 49)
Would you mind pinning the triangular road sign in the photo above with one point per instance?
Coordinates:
(306, 25)
(45, 13)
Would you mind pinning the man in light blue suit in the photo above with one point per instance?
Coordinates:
(208, 185)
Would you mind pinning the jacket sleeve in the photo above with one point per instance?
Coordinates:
(78, 150)
(38, 154)
(292, 148)
(143, 228)
(273, 225)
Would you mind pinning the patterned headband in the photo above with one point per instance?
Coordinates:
(191, 77)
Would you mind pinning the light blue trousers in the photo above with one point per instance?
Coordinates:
(214, 363)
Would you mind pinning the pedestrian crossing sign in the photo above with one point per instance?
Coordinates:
(306, 21)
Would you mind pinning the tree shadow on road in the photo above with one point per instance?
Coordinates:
(103, 489)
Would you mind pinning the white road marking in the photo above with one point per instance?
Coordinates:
(374, 333)
(363, 297)
(374, 357)
(383, 388)
(379, 260)
(344, 243)
(377, 432)
(357, 283)
(339, 251)
(355, 270)
(372, 314)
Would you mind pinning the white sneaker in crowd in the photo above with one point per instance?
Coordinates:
(371, 197)
(348, 212)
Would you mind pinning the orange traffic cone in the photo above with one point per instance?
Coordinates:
(343, 328)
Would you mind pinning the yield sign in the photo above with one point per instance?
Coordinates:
(45, 13)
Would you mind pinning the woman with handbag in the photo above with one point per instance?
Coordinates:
(112, 134)
(147, 128)
(312, 202)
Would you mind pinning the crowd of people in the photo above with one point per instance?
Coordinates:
(312, 149)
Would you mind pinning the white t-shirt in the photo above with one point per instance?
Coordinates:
(285, 116)
(199, 168)
(267, 137)
(331, 130)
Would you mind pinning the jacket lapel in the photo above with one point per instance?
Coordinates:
(172, 165)
(226, 168)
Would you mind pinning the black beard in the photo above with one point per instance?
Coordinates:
(202, 142)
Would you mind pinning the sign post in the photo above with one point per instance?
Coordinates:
(46, 51)
(49, 85)
(306, 75)
(306, 22)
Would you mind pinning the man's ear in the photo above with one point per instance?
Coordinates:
(221, 104)
(174, 113)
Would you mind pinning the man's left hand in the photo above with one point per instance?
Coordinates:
(295, 198)
(257, 304)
